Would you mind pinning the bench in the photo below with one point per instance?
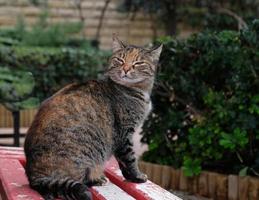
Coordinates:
(14, 184)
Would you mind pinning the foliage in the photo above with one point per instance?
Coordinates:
(198, 13)
(206, 103)
(16, 88)
(44, 34)
(53, 68)
(53, 53)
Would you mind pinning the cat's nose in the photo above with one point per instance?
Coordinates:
(126, 68)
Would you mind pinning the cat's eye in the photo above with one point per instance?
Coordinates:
(138, 63)
(119, 60)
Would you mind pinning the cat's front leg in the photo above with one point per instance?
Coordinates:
(128, 163)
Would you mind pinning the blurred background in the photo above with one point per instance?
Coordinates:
(206, 97)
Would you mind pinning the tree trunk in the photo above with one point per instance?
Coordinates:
(171, 17)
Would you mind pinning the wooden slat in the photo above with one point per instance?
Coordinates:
(183, 182)
(157, 172)
(253, 189)
(243, 185)
(203, 184)
(15, 184)
(221, 186)
(212, 184)
(232, 187)
(175, 180)
(109, 192)
(166, 177)
(143, 191)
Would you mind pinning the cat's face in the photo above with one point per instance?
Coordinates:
(131, 65)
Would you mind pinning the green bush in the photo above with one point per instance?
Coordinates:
(16, 87)
(206, 104)
(53, 68)
(44, 34)
(55, 54)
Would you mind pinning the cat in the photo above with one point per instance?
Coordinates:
(81, 126)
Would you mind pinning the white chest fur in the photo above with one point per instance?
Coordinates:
(148, 103)
(149, 107)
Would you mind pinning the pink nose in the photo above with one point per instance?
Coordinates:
(126, 68)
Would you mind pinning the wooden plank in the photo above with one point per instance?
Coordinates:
(157, 172)
(11, 150)
(193, 185)
(109, 192)
(143, 191)
(166, 177)
(203, 187)
(253, 189)
(14, 182)
(243, 187)
(212, 184)
(175, 180)
(183, 182)
(14, 185)
(232, 187)
(9, 162)
(13, 153)
(221, 187)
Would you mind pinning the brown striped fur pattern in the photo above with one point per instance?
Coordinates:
(77, 129)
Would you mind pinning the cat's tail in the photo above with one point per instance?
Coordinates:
(66, 188)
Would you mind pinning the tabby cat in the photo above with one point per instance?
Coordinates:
(81, 126)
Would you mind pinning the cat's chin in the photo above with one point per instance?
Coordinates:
(127, 81)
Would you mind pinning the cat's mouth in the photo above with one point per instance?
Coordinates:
(127, 79)
(131, 80)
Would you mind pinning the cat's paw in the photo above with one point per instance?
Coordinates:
(137, 178)
(103, 181)
(98, 182)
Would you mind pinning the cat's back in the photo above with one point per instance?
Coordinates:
(74, 105)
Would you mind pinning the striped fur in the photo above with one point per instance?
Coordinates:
(77, 129)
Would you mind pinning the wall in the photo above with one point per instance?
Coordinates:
(6, 120)
(138, 31)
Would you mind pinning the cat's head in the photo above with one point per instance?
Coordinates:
(133, 66)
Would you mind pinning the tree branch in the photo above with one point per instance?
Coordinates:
(241, 23)
(97, 35)
(78, 4)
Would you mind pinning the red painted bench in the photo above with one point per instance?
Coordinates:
(14, 183)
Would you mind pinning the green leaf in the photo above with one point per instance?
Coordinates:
(243, 172)
(191, 167)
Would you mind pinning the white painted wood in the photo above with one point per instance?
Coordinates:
(112, 192)
(155, 192)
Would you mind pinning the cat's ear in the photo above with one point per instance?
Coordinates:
(116, 44)
(155, 52)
